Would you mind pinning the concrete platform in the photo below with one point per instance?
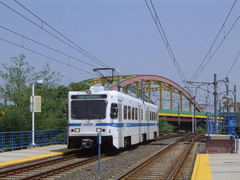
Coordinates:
(18, 156)
(225, 166)
(217, 167)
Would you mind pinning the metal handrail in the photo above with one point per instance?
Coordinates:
(23, 139)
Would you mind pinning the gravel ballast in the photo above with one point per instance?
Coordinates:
(114, 166)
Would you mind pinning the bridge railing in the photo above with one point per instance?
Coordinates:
(23, 139)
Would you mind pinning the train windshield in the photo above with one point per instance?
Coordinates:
(88, 109)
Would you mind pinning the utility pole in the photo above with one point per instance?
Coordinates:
(142, 89)
(227, 91)
(178, 117)
(235, 99)
(215, 103)
(194, 120)
(119, 87)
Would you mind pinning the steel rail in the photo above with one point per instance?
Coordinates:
(181, 161)
(31, 165)
(48, 172)
(172, 172)
(71, 165)
(57, 170)
(142, 164)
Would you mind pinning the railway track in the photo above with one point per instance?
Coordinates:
(44, 168)
(57, 166)
(172, 162)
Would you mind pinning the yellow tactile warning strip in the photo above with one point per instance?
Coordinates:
(35, 157)
(202, 170)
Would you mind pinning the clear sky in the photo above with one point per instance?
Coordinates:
(122, 34)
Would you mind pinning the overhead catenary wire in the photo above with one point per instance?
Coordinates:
(24, 37)
(219, 46)
(164, 38)
(202, 66)
(233, 64)
(35, 52)
(81, 50)
(77, 48)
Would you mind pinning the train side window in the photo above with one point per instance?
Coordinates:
(129, 112)
(141, 114)
(133, 113)
(114, 111)
(125, 112)
(136, 113)
(147, 115)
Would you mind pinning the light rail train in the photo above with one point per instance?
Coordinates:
(121, 119)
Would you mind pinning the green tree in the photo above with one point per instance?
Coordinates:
(54, 109)
(15, 80)
(77, 87)
(165, 126)
(15, 119)
(16, 90)
(201, 128)
(50, 78)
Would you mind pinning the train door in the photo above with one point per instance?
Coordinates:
(139, 123)
(120, 122)
(147, 120)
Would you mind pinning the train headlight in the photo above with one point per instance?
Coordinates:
(99, 130)
(88, 92)
(77, 130)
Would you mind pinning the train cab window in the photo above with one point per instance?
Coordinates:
(125, 112)
(114, 111)
(88, 109)
(129, 112)
(141, 114)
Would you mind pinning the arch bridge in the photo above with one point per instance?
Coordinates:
(158, 90)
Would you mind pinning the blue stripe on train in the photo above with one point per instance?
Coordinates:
(75, 124)
(118, 124)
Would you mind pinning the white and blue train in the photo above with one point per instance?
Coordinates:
(121, 119)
